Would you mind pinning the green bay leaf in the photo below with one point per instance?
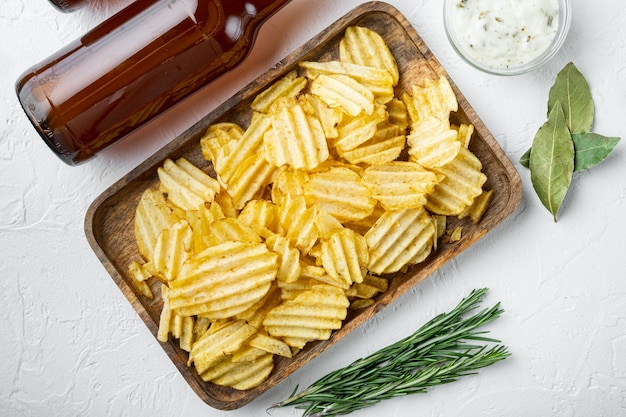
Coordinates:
(552, 160)
(591, 149)
(525, 159)
(571, 89)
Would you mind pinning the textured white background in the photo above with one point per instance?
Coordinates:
(71, 345)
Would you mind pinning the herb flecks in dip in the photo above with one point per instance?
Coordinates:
(505, 33)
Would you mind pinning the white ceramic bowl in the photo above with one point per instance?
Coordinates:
(565, 15)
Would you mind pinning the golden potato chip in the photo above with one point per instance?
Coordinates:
(478, 208)
(288, 181)
(340, 193)
(361, 303)
(328, 116)
(464, 134)
(256, 313)
(326, 224)
(263, 341)
(139, 276)
(296, 139)
(397, 113)
(230, 229)
(385, 145)
(369, 287)
(432, 143)
(289, 86)
(462, 184)
(434, 99)
(152, 215)
(399, 184)
(345, 256)
(228, 277)
(211, 347)
(397, 237)
(298, 222)
(312, 315)
(358, 130)
(363, 46)
(247, 354)
(216, 136)
(262, 216)
(288, 258)
(343, 92)
(378, 81)
(249, 179)
(240, 375)
(231, 155)
(172, 250)
(223, 205)
(187, 186)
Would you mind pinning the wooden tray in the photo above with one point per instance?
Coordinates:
(109, 220)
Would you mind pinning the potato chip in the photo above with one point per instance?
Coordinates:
(288, 258)
(263, 341)
(249, 179)
(255, 314)
(187, 186)
(152, 215)
(397, 237)
(139, 276)
(399, 184)
(363, 46)
(385, 145)
(289, 86)
(240, 375)
(211, 347)
(296, 139)
(478, 208)
(229, 277)
(262, 216)
(434, 99)
(247, 354)
(397, 113)
(298, 222)
(464, 134)
(339, 192)
(230, 229)
(358, 130)
(329, 117)
(216, 136)
(172, 250)
(369, 287)
(378, 81)
(462, 184)
(345, 256)
(432, 143)
(343, 92)
(312, 315)
(288, 181)
(231, 156)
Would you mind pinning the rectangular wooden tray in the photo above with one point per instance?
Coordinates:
(109, 220)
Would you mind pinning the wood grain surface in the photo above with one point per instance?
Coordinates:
(109, 220)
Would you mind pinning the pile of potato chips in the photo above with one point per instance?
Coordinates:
(335, 183)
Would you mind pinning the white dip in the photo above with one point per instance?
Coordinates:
(505, 33)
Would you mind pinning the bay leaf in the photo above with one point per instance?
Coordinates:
(552, 160)
(571, 89)
(591, 149)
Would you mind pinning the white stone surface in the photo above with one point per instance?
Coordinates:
(71, 345)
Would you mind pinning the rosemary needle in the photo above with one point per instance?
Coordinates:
(444, 349)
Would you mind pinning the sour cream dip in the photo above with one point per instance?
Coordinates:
(503, 34)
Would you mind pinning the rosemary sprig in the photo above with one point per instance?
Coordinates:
(444, 349)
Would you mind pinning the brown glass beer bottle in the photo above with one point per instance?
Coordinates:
(133, 66)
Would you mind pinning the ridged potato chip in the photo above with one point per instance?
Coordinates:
(397, 237)
(434, 99)
(339, 191)
(153, 215)
(312, 315)
(345, 256)
(432, 143)
(187, 186)
(399, 184)
(363, 46)
(462, 183)
(288, 87)
(216, 136)
(249, 179)
(240, 375)
(297, 139)
(172, 249)
(228, 277)
(344, 92)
